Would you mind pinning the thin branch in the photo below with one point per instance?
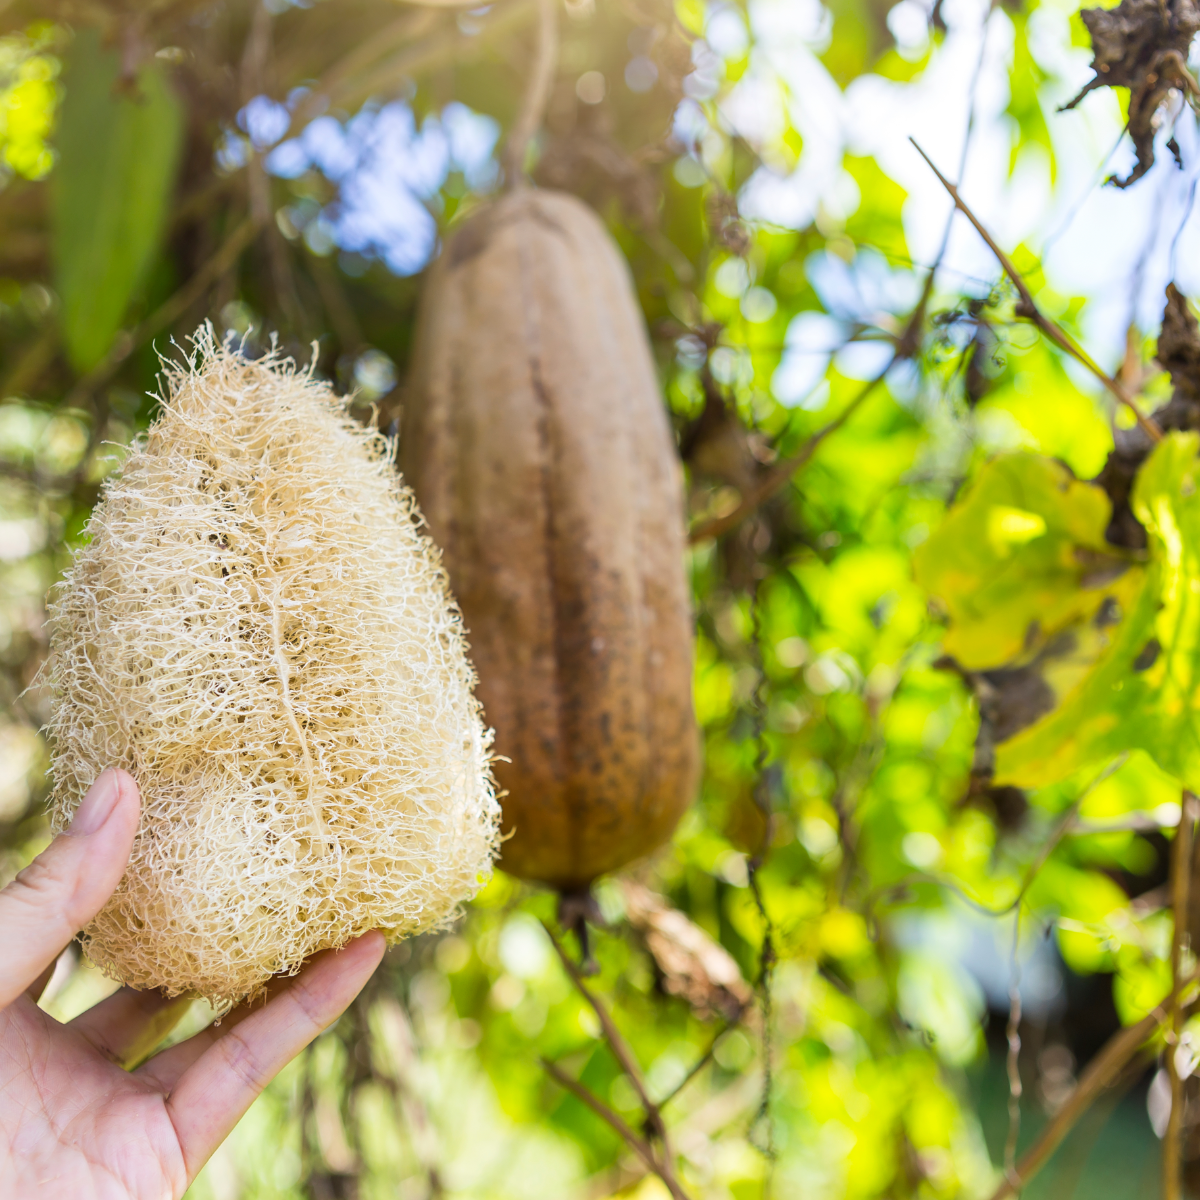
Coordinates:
(612, 1034)
(365, 55)
(447, 45)
(337, 304)
(1100, 1072)
(36, 357)
(253, 83)
(1181, 862)
(1063, 826)
(639, 1145)
(767, 956)
(781, 472)
(624, 1056)
(1013, 1058)
(1028, 308)
(255, 53)
(906, 347)
(403, 1081)
(200, 202)
(695, 1070)
(39, 353)
(537, 93)
(278, 255)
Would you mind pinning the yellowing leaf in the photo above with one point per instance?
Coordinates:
(1008, 527)
(1143, 691)
(1018, 559)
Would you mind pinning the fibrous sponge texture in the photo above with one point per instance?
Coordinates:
(259, 632)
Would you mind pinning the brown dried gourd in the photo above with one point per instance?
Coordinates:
(535, 437)
(260, 633)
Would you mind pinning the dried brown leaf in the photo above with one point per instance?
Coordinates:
(692, 965)
(1142, 45)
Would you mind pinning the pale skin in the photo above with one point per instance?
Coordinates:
(75, 1125)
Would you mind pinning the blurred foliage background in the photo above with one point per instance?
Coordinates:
(866, 966)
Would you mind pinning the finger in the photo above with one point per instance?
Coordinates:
(128, 1025)
(38, 986)
(166, 1068)
(59, 969)
(67, 884)
(215, 1091)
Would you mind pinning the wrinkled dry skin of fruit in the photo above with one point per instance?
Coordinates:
(259, 632)
(536, 440)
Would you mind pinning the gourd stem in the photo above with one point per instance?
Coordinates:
(537, 93)
(575, 910)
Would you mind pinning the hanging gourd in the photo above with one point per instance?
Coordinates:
(535, 438)
(258, 631)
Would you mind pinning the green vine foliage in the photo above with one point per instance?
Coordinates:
(1096, 650)
(1140, 690)
(945, 666)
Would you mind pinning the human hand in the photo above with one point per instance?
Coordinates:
(73, 1124)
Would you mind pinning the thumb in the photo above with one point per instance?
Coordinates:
(67, 884)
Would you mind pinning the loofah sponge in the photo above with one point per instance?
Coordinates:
(259, 632)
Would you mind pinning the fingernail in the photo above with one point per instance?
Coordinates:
(96, 807)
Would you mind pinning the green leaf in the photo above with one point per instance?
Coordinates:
(1143, 690)
(690, 14)
(879, 219)
(1020, 558)
(118, 146)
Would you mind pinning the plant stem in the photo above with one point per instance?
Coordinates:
(1028, 308)
(627, 1061)
(537, 93)
(781, 472)
(1181, 860)
(1100, 1072)
(639, 1145)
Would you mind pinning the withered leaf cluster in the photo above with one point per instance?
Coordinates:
(1142, 45)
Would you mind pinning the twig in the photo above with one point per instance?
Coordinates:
(1028, 308)
(1013, 1060)
(199, 203)
(695, 1070)
(445, 46)
(253, 83)
(255, 53)
(1181, 863)
(612, 1034)
(762, 801)
(639, 1145)
(337, 304)
(404, 1083)
(352, 65)
(1100, 1072)
(1064, 826)
(625, 1057)
(537, 92)
(781, 472)
(906, 347)
(28, 368)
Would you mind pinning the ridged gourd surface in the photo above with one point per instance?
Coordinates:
(536, 439)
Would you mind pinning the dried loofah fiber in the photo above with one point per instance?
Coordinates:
(259, 632)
